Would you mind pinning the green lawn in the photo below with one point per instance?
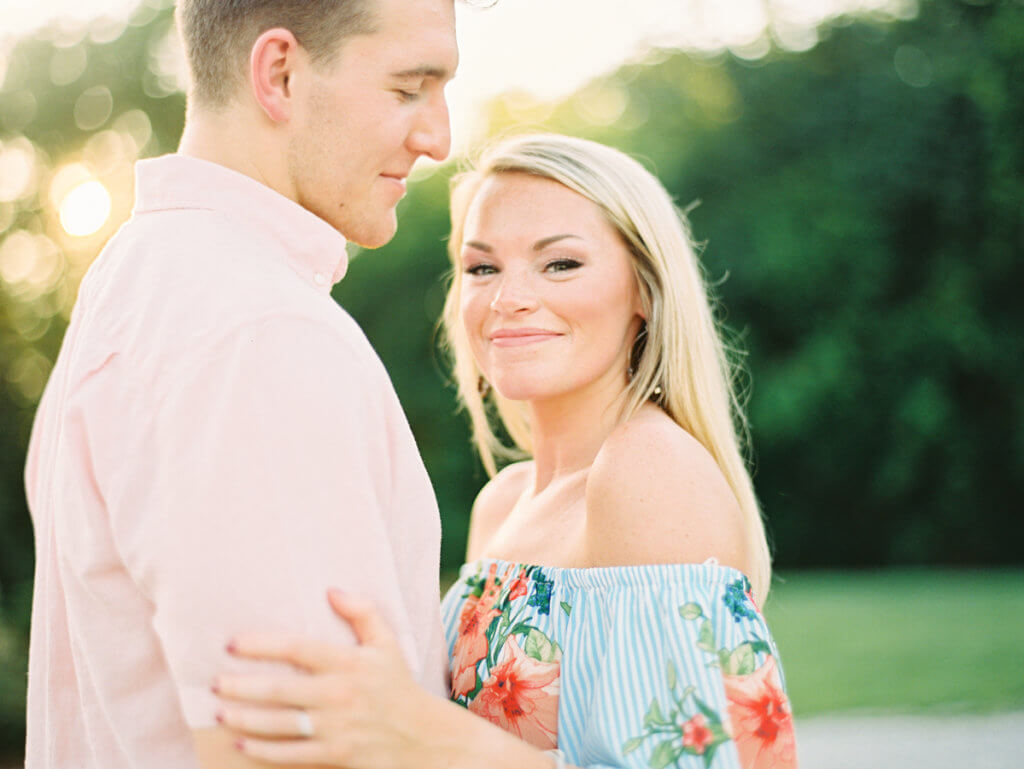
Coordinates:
(907, 640)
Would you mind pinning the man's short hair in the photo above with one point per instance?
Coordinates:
(218, 35)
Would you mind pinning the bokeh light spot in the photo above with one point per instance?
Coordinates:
(29, 374)
(17, 110)
(67, 65)
(93, 108)
(136, 124)
(17, 169)
(17, 257)
(85, 209)
(30, 263)
(913, 66)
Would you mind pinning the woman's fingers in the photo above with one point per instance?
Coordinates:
(283, 751)
(314, 656)
(368, 625)
(296, 690)
(268, 722)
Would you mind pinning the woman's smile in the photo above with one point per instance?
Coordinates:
(520, 337)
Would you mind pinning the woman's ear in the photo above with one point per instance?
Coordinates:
(273, 61)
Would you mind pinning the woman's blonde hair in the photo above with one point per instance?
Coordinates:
(681, 362)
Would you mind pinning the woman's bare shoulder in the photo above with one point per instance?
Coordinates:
(493, 504)
(655, 494)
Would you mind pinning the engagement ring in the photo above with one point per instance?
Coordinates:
(305, 724)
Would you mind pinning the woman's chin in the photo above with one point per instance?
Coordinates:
(527, 391)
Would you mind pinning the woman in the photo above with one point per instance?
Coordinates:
(606, 609)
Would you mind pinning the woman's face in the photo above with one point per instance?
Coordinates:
(549, 299)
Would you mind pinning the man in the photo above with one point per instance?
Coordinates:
(218, 443)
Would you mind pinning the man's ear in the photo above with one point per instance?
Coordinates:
(273, 61)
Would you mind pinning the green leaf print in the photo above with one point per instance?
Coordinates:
(708, 712)
(670, 732)
(760, 646)
(668, 752)
(630, 745)
(540, 647)
(741, 662)
(566, 608)
(706, 637)
(691, 611)
(654, 716)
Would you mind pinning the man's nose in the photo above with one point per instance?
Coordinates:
(433, 134)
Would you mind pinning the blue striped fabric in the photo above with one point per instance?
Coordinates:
(633, 666)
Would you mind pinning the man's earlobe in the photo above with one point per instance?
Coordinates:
(273, 57)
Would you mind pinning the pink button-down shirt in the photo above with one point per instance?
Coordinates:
(218, 444)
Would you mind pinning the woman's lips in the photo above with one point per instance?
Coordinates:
(521, 337)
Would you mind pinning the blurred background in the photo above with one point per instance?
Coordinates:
(858, 170)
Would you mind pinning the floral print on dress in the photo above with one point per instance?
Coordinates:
(686, 726)
(739, 600)
(758, 717)
(504, 668)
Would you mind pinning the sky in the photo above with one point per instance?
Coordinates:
(549, 48)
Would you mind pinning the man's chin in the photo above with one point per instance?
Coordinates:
(371, 234)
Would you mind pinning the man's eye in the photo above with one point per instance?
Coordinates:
(563, 265)
(408, 95)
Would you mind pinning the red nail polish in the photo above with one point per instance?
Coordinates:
(214, 688)
(219, 717)
(231, 647)
(239, 744)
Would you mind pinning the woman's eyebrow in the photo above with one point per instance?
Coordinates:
(543, 243)
(540, 245)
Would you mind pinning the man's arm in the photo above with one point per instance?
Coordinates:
(256, 481)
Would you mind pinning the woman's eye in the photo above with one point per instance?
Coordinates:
(481, 269)
(562, 265)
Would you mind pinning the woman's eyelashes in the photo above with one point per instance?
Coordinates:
(561, 264)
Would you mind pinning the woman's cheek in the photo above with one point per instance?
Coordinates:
(473, 310)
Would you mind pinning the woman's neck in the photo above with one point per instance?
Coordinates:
(568, 431)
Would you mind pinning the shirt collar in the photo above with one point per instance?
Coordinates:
(316, 249)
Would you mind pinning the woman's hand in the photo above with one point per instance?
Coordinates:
(355, 707)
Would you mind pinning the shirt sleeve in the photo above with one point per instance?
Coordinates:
(690, 679)
(247, 479)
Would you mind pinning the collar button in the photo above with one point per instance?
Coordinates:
(320, 279)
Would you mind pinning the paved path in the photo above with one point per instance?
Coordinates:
(993, 741)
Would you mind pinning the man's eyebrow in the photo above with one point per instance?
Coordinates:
(423, 71)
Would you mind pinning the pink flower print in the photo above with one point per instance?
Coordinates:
(521, 696)
(696, 734)
(471, 646)
(762, 724)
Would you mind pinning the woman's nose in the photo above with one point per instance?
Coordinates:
(514, 296)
